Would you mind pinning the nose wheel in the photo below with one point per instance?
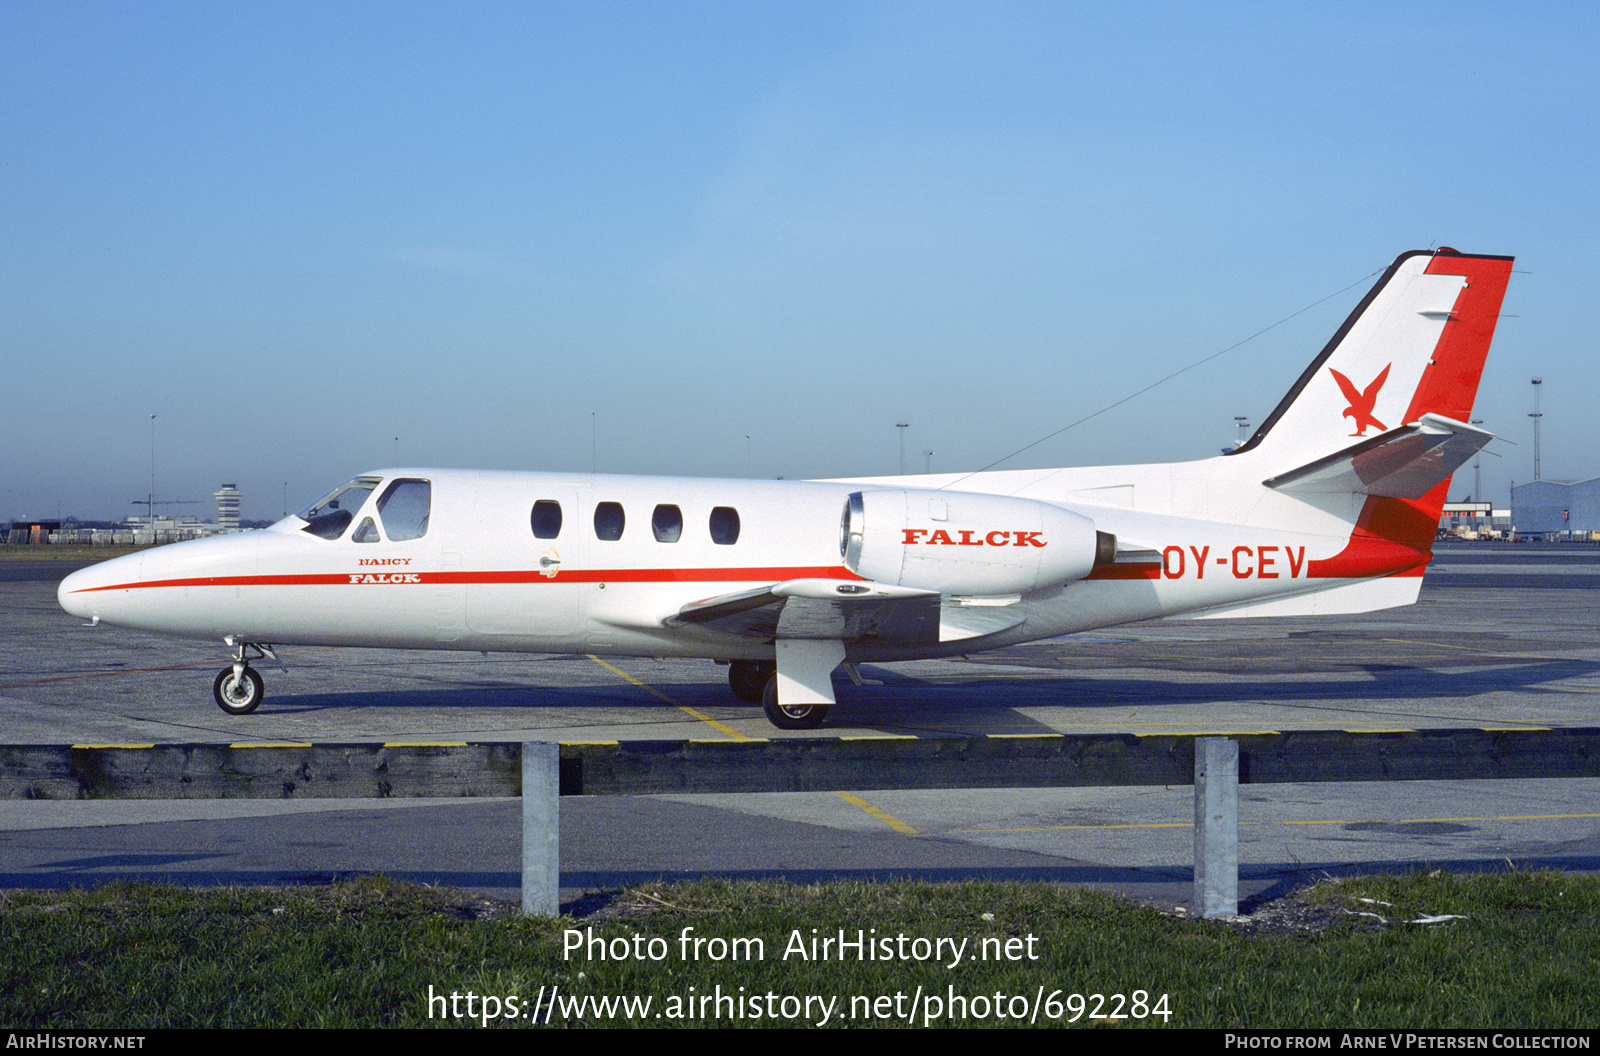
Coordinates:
(238, 689)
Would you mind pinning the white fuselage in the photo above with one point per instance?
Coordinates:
(479, 579)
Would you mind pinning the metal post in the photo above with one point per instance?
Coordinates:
(541, 828)
(1216, 827)
(1536, 416)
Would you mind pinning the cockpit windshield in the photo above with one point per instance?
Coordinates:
(328, 517)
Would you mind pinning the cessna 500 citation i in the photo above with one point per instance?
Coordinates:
(1331, 507)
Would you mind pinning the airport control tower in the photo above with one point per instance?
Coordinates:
(228, 508)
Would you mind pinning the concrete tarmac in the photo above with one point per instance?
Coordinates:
(1503, 636)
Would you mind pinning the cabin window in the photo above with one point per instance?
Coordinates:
(608, 521)
(404, 507)
(667, 524)
(367, 533)
(724, 525)
(546, 519)
(328, 517)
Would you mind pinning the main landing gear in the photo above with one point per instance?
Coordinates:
(807, 666)
(790, 716)
(239, 687)
(756, 682)
(748, 678)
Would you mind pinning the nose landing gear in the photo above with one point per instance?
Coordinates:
(239, 688)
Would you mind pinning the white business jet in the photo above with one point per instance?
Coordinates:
(1331, 507)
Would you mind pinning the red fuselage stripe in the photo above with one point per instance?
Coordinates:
(1364, 558)
(516, 575)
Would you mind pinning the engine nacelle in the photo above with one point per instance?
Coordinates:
(960, 543)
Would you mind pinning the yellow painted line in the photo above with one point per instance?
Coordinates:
(888, 819)
(113, 746)
(1214, 733)
(1061, 828)
(1016, 736)
(708, 720)
(1442, 645)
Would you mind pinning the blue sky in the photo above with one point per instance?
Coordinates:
(536, 235)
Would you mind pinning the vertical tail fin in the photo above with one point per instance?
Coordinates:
(1414, 346)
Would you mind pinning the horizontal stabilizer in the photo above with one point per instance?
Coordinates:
(1404, 463)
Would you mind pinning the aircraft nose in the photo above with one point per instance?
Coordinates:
(83, 593)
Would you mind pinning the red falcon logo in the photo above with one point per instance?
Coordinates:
(1362, 400)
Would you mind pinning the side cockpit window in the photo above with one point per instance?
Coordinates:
(328, 517)
(404, 507)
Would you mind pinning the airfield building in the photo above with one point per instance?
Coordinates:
(1557, 509)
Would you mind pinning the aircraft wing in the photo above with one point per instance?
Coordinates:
(1403, 463)
(850, 611)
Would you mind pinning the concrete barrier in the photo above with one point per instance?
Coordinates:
(380, 771)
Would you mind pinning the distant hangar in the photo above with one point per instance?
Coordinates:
(1567, 508)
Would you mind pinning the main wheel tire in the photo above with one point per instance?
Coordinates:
(238, 695)
(790, 716)
(748, 679)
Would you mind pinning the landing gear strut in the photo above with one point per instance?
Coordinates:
(238, 688)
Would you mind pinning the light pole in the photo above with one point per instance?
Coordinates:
(1536, 416)
(902, 426)
(1477, 469)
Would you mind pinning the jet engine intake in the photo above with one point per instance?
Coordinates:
(966, 544)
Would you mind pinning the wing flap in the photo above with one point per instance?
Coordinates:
(850, 612)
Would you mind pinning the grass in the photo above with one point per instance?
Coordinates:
(371, 952)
